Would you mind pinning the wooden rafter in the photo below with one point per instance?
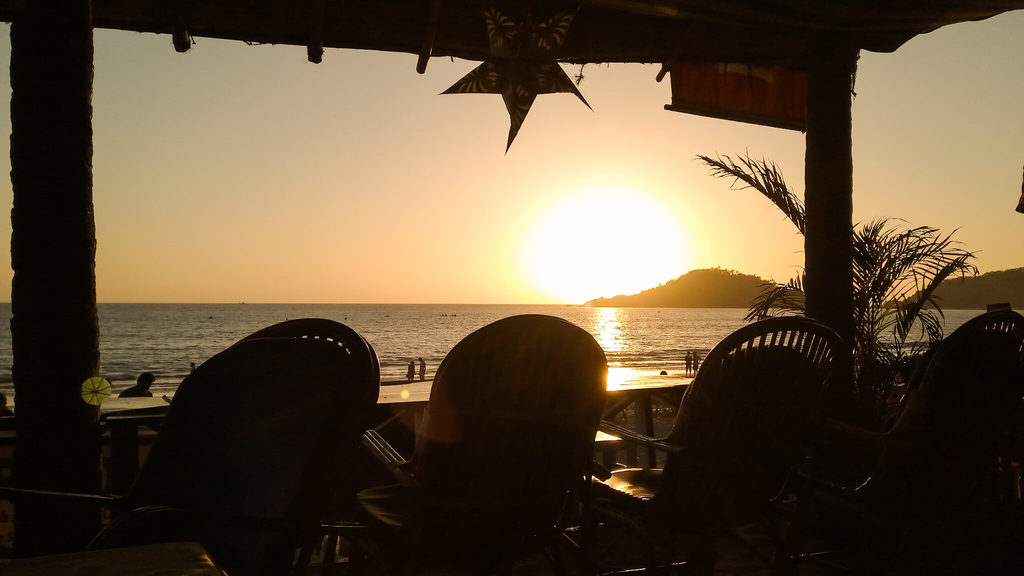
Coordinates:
(429, 34)
(181, 38)
(315, 45)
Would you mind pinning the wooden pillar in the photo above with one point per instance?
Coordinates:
(54, 325)
(828, 179)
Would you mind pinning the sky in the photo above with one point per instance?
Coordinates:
(239, 173)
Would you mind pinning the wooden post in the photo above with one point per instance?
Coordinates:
(54, 324)
(828, 240)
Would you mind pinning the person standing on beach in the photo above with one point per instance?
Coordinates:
(1020, 205)
(423, 369)
(410, 375)
(141, 388)
(5, 410)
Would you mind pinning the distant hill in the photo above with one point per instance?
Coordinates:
(979, 291)
(706, 288)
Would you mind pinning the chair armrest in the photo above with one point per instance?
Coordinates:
(387, 455)
(637, 438)
(169, 524)
(846, 453)
(810, 480)
(838, 429)
(598, 471)
(343, 529)
(11, 492)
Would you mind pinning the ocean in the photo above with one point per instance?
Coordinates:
(166, 338)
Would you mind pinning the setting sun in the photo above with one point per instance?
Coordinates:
(603, 243)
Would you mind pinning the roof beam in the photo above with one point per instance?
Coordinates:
(429, 35)
(180, 37)
(315, 45)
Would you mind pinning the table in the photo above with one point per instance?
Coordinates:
(412, 393)
(668, 389)
(124, 447)
(133, 405)
(124, 417)
(174, 559)
(418, 392)
(398, 401)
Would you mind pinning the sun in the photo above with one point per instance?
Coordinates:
(604, 243)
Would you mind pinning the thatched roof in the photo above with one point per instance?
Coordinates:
(769, 32)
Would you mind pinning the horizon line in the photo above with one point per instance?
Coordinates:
(248, 303)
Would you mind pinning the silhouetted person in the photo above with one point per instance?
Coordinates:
(141, 388)
(1020, 205)
(5, 410)
(689, 362)
(410, 375)
(423, 369)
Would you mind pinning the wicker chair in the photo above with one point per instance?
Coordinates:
(745, 424)
(944, 496)
(331, 331)
(344, 476)
(502, 452)
(239, 461)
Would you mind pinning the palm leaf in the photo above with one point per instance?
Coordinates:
(896, 271)
(778, 300)
(762, 176)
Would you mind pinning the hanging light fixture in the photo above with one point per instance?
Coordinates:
(522, 64)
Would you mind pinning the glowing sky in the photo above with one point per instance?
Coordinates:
(244, 173)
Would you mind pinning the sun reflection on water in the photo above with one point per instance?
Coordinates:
(609, 331)
(610, 335)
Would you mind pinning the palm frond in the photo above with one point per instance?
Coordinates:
(896, 271)
(763, 176)
(778, 300)
(916, 307)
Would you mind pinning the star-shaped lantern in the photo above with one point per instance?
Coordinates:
(521, 66)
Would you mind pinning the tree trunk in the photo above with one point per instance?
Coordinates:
(828, 196)
(828, 241)
(54, 325)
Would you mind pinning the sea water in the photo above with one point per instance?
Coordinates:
(167, 338)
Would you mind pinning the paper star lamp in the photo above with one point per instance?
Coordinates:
(522, 65)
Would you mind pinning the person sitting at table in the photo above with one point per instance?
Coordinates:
(141, 387)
